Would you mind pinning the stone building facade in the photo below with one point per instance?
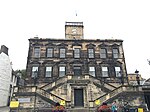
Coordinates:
(74, 69)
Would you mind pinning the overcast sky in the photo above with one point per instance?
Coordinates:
(128, 20)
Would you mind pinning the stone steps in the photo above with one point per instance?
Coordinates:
(81, 110)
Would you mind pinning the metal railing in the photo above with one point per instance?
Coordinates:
(117, 91)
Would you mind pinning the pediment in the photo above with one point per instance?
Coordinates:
(76, 44)
(62, 45)
(115, 45)
(37, 44)
(34, 62)
(50, 44)
(90, 45)
(103, 45)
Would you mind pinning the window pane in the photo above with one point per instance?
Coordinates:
(48, 72)
(34, 71)
(115, 53)
(50, 52)
(62, 53)
(104, 72)
(103, 53)
(91, 53)
(61, 71)
(76, 53)
(117, 70)
(36, 52)
(92, 71)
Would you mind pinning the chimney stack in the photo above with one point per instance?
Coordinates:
(4, 49)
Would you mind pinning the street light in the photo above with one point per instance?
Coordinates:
(35, 77)
(121, 77)
(137, 77)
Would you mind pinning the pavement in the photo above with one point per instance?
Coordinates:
(4, 109)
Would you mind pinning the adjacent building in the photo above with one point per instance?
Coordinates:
(8, 79)
(5, 76)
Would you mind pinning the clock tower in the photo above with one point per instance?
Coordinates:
(74, 30)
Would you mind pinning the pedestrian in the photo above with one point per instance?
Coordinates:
(58, 108)
(104, 108)
(114, 107)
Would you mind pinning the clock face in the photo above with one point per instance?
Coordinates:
(74, 30)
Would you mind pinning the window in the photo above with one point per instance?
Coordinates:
(115, 53)
(37, 52)
(34, 72)
(48, 72)
(76, 53)
(62, 53)
(91, 53)
(77, 70)
(50, 52)
(104, 71)
(117, 71)
(102, 53)
(92, 71)
(61, 71)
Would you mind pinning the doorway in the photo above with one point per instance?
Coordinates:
(78, 98)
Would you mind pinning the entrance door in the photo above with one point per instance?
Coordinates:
(78, 98)
(77, 70)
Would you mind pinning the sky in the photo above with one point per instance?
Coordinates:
(128, 20)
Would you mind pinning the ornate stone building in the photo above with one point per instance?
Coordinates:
(77, 72)
(81, 65)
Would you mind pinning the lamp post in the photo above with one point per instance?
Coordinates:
(120, 77)
(137, 77)
(35, 79)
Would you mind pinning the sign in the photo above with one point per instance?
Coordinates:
(97, 102)
(140, 110)
(62, 102)
(14, 104)
(24, 100)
